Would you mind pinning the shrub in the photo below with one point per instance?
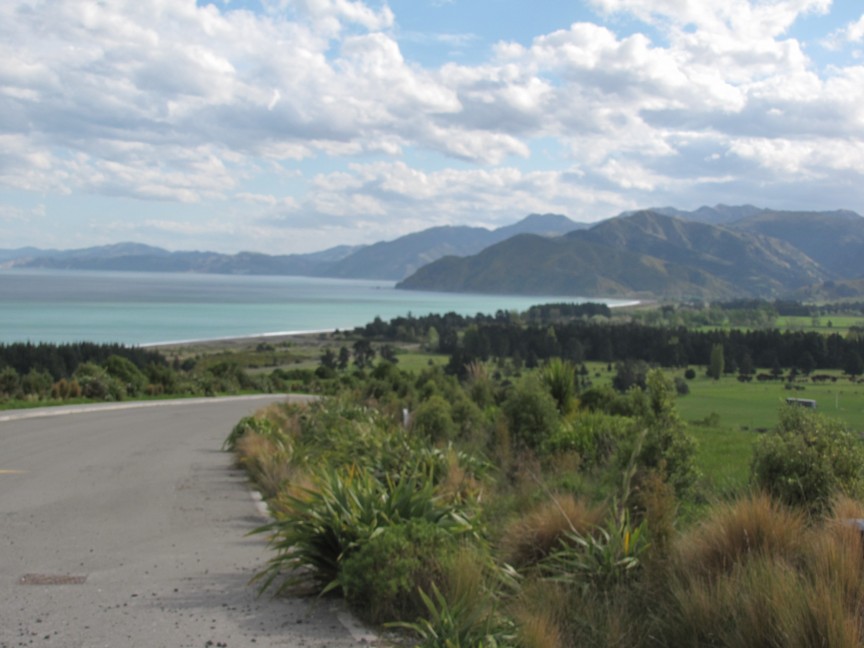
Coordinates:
(321, 526)
(463, 611)
(37, 383)
(601, 559)
(531, 414)
(382, 580)
(559, 378)
(97, 383)
(261, 426)
(808, 459)
(127, 374)
(433, 420)
(666, 447)
(10, 382)
(593, 435)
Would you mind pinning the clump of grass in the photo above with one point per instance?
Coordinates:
(755, 525)
(541, 611)
(540, 531)
(754, 574)
(267, 462)
(463, 611)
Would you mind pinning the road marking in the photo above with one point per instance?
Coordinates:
(12, 472)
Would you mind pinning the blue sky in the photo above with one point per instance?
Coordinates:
(294, 125)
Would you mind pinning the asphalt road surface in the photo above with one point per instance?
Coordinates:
(127, 528)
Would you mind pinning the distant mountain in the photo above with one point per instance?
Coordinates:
(717, 215)
(533, 265)
(762, 264)
(390, 260)
(642, 253)
(401, 257)
(134, 257)
(835, 240)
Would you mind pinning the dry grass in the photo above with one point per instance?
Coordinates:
(752, 526)
(754, 574)
(531, 538)
(540, 612)
(268, 466)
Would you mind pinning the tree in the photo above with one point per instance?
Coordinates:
(364, 354)
(630, 373)
(344, 358)
(806, 363)
(388, 353)
(9, 382)
(715, 366)
(328, 359)
(746, 366)
(853, 366)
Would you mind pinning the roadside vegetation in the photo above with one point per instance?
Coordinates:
(568, 476)
(569, 502)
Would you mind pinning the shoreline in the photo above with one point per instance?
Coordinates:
(282, 336)
(276, 336)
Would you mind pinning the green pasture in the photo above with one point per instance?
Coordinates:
(727, 416)
(821, 324)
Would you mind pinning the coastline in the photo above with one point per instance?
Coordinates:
(309, 336)
(276, 336)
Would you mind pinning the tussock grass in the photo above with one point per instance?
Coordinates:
(753, 526)
(755, 574)
(540, 531)
(268, 464)
(541, 612)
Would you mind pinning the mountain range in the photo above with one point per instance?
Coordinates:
(712, 252)
(388, 260)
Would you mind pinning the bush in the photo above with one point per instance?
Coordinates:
(382, 580)
(257, 425)
(97, 383)
(433, 420)
(559, 378)
(124, 371)
(593, 435)
(808, 459)
(667, 446)
(532, 415)
(320, 527)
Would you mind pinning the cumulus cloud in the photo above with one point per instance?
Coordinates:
(195, 104)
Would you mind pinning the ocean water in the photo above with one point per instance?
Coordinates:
(151, 308)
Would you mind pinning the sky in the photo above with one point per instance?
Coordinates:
(292, 126)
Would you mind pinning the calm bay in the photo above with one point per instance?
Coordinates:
(150, 308)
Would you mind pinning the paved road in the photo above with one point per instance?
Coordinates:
(127, 528)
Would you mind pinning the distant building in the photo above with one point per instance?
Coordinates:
(802, 402)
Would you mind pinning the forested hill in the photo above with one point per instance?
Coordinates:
(648, 253)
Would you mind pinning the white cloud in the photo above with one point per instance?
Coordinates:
(165, 100)
(13, 214)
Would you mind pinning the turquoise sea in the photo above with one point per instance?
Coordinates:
(150, 308)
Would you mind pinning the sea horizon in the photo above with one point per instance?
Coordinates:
(154, 308)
